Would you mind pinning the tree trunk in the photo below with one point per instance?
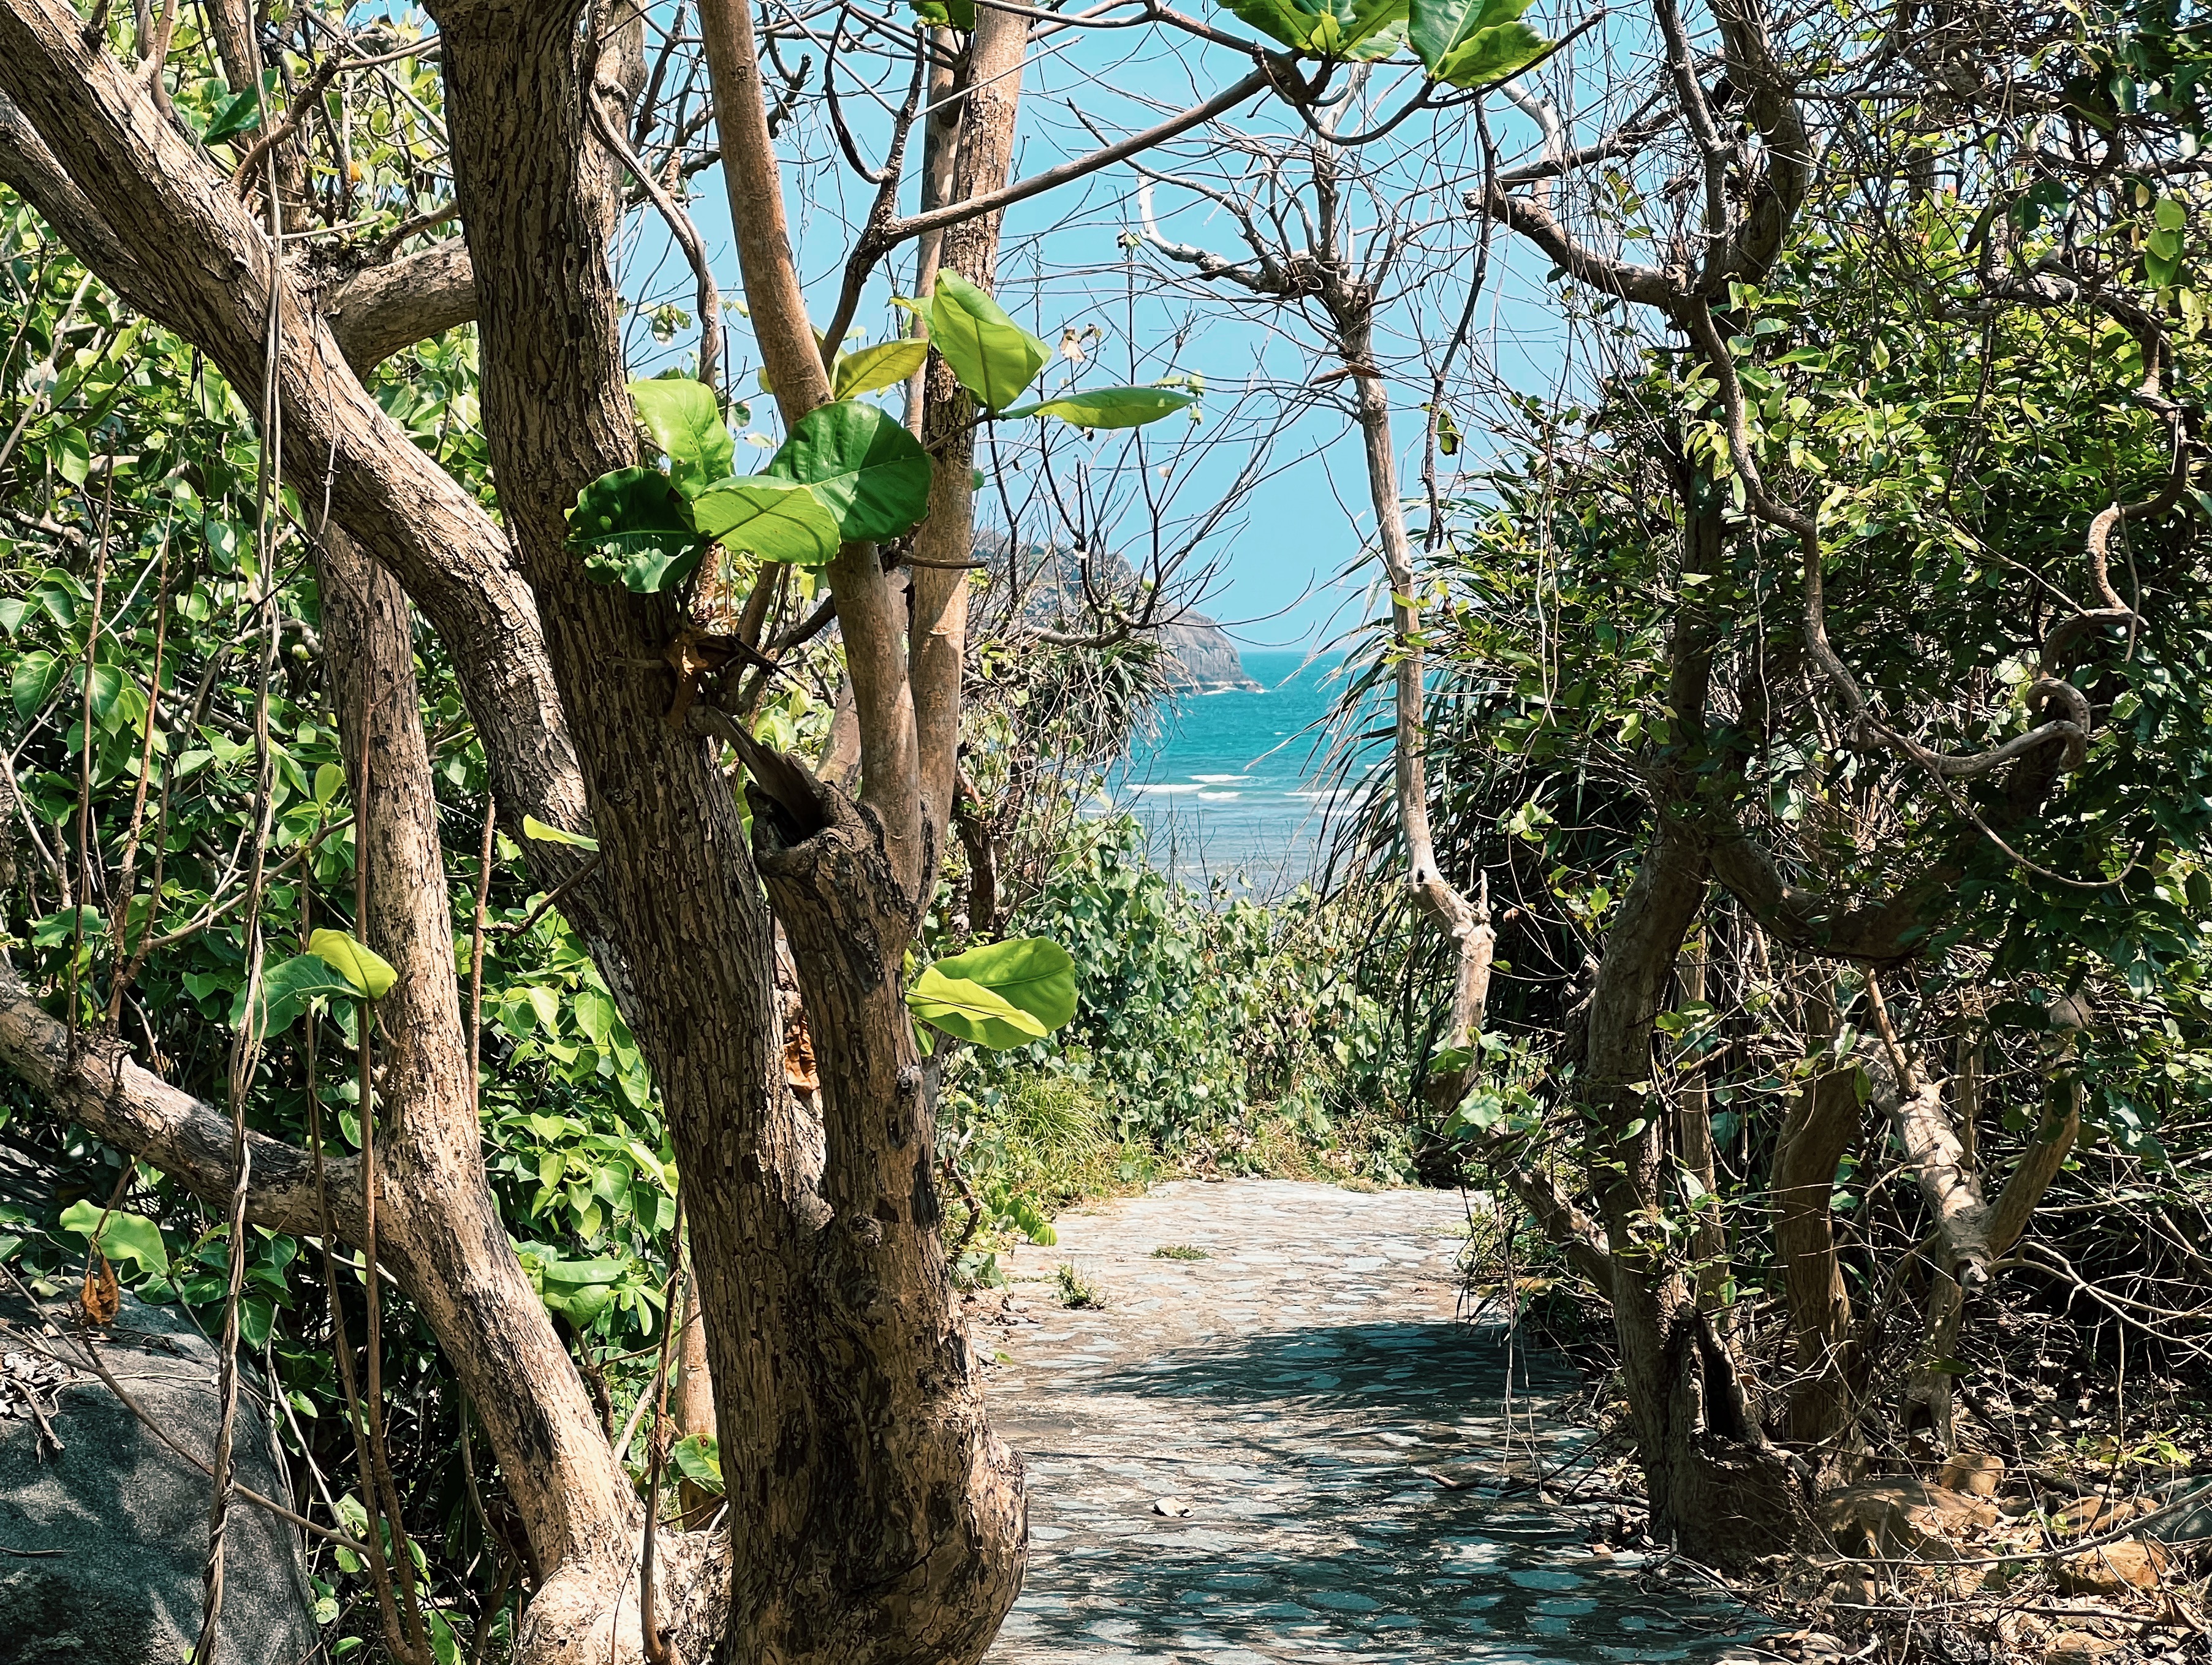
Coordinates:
(1466, 924)
(439, 1230)
(1718, 1488)
(873, 1517)
(1814, 1136)
(896, 1527)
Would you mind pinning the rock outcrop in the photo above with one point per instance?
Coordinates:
(102, 1543)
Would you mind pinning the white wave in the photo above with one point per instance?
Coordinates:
(1217, 797)
(1165, 787)
(1215, 780)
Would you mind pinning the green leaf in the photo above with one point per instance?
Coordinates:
(36, 673)
(583, 1273)
(634, 525)
(72, 456)
(992, 356)
(871, 474)
(121, 1237)
(287, 987)
(698, 1458)
(1473, 43)
(595, 1015)
(12, 609)
(886, 364)
(972, 1012)
(947, 14)
(1108, 407)
(1034, 973)
(330, 781)
(59, 930)
(1328, 28)
(533, 828)
(369, 974)
(241, 111)
(775, 519)
(686, 422)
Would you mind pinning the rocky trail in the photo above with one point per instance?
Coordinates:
(1276, 1440)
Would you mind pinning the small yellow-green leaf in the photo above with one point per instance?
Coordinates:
(533, 828)
(368, 973)
(886, 364)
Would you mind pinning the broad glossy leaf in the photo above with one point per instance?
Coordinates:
(886, 364)
(698, 1458)
(369, 972)
(121, 1237)
(1328, 28)
(775, 519)
(993, 357)
(583, 1273)
(635, 525)
(1034, 974)
(1467, 43)
(686, 421)
(533, 828)
(871, 474)
(972, 1012)
(1108, 407)
(287, 987)
(36, 673)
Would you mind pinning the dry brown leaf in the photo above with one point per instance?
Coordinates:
(102, 1299)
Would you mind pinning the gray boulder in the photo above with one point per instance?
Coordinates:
(127, 1515)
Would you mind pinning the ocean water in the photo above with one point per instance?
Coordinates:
(1236, 785)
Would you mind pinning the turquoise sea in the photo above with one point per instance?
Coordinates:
(1235, 786)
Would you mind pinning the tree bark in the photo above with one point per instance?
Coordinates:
(439, 1227)
(873, 1517)
(938, 634)
(1814, 1136)
(1718, 1486)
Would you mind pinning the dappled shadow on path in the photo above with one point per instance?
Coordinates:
(1318, 1528)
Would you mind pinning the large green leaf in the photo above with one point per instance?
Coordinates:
(775, 519)
(686, 421)
(121, 1237)
(1328, 28)
(1108, 407)
(633, 524)
(1034, 973)
(368, 973)
(886, 364)
(286, 989)
(36, 673)
(959, 1006)
(993, 357)
(871, 474)
(1469, 43)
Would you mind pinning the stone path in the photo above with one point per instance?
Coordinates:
(1299, 1390)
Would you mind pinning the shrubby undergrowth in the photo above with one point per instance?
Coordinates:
(1212, 1033)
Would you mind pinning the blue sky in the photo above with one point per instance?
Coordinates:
(1278, 560)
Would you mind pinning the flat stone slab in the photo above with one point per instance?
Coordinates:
(1306, 1391)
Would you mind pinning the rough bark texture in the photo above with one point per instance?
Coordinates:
(937, 635)
(873, 1517)
(1819, 1129)
(1717, 1487)
(897, 1529)
(439, 1230)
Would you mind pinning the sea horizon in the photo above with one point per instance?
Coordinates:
(1235, 786)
